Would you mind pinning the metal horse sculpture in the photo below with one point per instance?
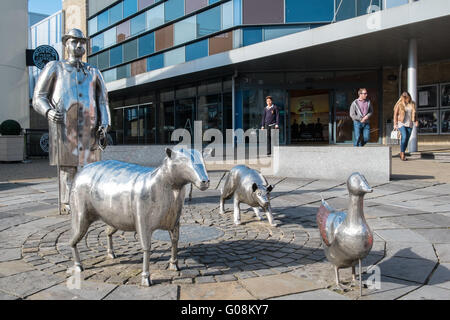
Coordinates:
(249, 186)
(346, 237)
(130, 197)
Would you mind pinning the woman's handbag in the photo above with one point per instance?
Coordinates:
(395, 134)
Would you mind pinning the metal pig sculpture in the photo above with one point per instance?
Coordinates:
(130, 197)
(248, 186)
(346, 237)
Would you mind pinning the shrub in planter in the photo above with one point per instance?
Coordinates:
(10, 128)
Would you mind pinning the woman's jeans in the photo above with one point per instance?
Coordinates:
(362, 133)
(406, 134)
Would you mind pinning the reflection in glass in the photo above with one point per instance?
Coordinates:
(123, 31)
(110, 37)
(138, 24)
(209, 22)
(150, 125)
(93, 26)
(445, 95)
(209, 111)
(116, 13)
(185, 30)
(131, 126)
(155, 16)
(428, 122)
(97, 43)
(227, 15)
(166, 122)
(427, 96)
(445, 121)
(184, 114)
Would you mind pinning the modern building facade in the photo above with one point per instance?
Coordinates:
(13, 71)
(170, 63)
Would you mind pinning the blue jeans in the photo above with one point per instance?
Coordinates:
(406, 134)
(362, 133)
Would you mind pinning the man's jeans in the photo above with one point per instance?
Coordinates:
(406, 134)
(362, 133)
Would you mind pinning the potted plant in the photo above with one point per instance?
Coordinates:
(12, 143)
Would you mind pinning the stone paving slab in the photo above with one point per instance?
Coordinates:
(89, 290)
(4, 296)
(278, 285)
(323, 294)
(416, 270)
(435, 235)
(402, 235)
(215, 291)
(443, 251)
(10, 254)
(428, 293)
(413, 251)
(441, 276)
(27, 283)
(14, 267)
(390, 289)
(155, 292)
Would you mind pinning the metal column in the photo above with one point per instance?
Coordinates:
(412, 87)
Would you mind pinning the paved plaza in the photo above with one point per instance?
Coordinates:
(410, 218)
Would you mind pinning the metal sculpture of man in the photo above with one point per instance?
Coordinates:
(72, 95)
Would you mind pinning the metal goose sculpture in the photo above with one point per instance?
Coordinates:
(346, 237)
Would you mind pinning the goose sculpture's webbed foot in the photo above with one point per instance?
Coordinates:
(339, 288)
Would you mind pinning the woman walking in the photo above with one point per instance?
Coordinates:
(405, 117)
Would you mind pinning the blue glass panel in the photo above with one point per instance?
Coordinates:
(103, 60)
(93, 61)
(252, 35)
(116, 13)
(124, 71)
(97, 43)
(346, 9)
(237, 8)
(395, 3)
(276, 32)
(146, 44)
(197, 50)
(213, 1)
(116, 56)
(138, 24)
(92, 26)
(208, 22)
(309, 11)
(368, 6)
(130, 50)
(129, 7)
(155, 62)
(102, 20)
(173, 9)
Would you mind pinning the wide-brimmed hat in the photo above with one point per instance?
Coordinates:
(74, 33)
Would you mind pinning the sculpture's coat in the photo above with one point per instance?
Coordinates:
(248, 186)
(130, 197)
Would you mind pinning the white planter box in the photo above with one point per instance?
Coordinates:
(12, 148)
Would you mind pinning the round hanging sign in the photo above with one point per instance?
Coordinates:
(43, 55)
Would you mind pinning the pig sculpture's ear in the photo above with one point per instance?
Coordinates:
(254, 187)
(269, 188)
(169, 153)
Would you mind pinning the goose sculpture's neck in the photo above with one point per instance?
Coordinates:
(355, 211)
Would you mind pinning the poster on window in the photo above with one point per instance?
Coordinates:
(428, 122)
(445, 121)
(427, 96)
(445, 95)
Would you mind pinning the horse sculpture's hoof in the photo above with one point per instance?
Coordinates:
(78, 267)
(173, 267)
(273, 224)
(237, 223)
(146, 281)
(111, 255)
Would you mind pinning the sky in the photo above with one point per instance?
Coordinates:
(44, 6)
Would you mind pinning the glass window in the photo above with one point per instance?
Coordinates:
(428, 122)
(310, 11)
(142, 4)
(395, 3)
(150, 124)
(197, 50)
(155, 16)
(130, 50)
(42, 33)
(185, 30)
(102, 20)
(209, 22)
(93, 26)
(116, 13)
(213, 1)
(116, 56)
(345, 9)
(227, 15)
(117, 126)
(237, 38)
(146, 44)
(123, 72)
(138, 67)
(110, 37)
(194, 5)
(129, 7)
(221, 43)
(264, 11)
(138, 24)
(164, 38)
(166, 119)
(123, 31)
(237, 10)
(175, 56)
(209, 111)
(276, 32)
(131, 126)
(110, 75)
(227, 111)
(445, 121)
(103, 60)
(98, 43)
(427, 96)
(445, 95)
(252, 35)
(184, 114)
(368, 6)
(155, 62)
(93, 61)
(173, 9)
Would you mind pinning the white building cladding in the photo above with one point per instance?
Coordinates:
(13, 71)
(47, 31)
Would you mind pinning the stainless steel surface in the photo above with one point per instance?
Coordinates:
(130, 197)
(73, 97)
(346, 236)
(248, 186)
